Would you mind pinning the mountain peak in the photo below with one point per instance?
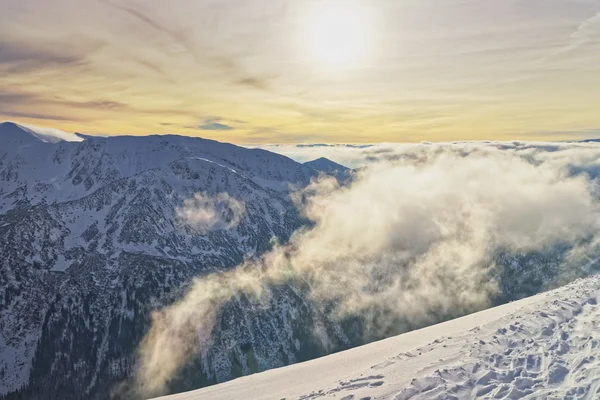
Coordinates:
(326, 165)
(341, 173)
(22, 133)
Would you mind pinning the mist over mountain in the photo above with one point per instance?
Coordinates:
(134, 266)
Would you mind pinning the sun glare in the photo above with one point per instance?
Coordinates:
(337, 33)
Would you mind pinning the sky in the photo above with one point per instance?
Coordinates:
(309, 71)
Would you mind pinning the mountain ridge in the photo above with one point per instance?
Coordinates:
(93, 241)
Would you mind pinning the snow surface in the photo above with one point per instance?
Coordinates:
(543, 347)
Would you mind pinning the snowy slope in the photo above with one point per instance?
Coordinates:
(542, 347)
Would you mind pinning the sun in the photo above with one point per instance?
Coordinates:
(337, 33)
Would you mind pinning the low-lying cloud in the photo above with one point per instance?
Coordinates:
(361, 155)
(413, 237)
(204, 213)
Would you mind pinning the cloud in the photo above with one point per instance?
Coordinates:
(584, 32)
(207, 57)
(228, 65)
(582, 35)
(34, 115)
(353, 146)
(353, 156)
(205, 213)
(575, 134)
(15, 103)
(52, 135)
(412, 238)
(214, 125)
(349, 155)
(148, 20)
(260, 83)
(8, 97)
(24, 57)
(100, 105)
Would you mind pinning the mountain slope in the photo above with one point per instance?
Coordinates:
(93, 241)
(544, 346)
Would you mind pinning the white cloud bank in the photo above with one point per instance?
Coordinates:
(354, 156)
(414, 236)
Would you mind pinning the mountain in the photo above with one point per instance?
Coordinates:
(92, 243)
(47, 135)
(329, 167)
(540, 347)
(94, 239)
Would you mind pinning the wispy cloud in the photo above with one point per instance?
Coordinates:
(255, 82)
(38, 116)
(16, 103)
(587, 31)
(23, 57)
(215, 125)
(227, 64)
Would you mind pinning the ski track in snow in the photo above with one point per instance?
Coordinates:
(543, 347)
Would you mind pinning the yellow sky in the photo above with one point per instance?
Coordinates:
(287, 71)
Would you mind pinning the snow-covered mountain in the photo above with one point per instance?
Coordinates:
(14, 132)
(92, 242)
(542, 347)
(329, 167)
(94, 239)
